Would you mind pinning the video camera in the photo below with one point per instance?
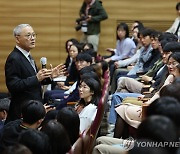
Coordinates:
(79, 22)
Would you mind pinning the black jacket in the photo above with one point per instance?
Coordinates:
(21, 82)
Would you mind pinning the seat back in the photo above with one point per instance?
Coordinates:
(101, 106)
(87, 138)
(77, 147)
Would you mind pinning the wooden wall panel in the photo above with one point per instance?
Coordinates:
(54, 23)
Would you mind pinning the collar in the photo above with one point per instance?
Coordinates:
(24, 52)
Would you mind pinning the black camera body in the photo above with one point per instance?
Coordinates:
(79, 24)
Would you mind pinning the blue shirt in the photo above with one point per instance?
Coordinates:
(124, 49)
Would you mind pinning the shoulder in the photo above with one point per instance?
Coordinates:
(129, 41)
(89, 110)
(15, 54)
(91, 106)
(12, 124)
(97, 3)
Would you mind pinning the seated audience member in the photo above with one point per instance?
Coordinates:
(72, 75)
(123, 65)
(167, 106)
(82, 60)
(4, 108)
(131, 114)
(134, 86)
(143, 55)
(69, 118)
(50, 115)
(171, 89)
(90, 93)
(92, 54)
(135, 28)
(58, 137)
(156, 128)
(125, 47)
(145, 52)
(87, 46)
(71, 68)
(153, 76)
(33, 113)
(17, 149)
(36, 141)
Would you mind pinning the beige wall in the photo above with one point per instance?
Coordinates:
(53, 21)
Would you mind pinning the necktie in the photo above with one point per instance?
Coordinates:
(32, 62)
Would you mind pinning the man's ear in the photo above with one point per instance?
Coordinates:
(4, 114)
(39, 122)
(17, 39)
(89, 63)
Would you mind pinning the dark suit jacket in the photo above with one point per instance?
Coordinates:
(160, 78)
(21, 82)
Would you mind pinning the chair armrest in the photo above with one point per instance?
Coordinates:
(145, 88)
(71, 103)
(144, 110)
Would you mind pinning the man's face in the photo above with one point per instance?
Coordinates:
(146, 40)
(81, 64)
(165, 56)
(155, 43)
(26, 39)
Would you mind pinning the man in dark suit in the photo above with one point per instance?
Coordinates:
(23, 80)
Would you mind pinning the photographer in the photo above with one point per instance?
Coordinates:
(91, 14)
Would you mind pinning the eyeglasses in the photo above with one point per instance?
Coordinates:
(30, 36)
(173, 64)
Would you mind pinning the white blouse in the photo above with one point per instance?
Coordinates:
(87, 116)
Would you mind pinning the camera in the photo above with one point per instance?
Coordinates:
(79, 22)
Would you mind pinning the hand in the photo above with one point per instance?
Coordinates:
(129, 67)
(89, 18)
(146, 78)
(116, 64)
(49, 107)
(110, 50)
(107, 60)
(60, 84)
(65, 87)
(43, 73)
(141, 97)
(58, 70)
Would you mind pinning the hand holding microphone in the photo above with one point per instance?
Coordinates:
(44, 74)
(43, 62)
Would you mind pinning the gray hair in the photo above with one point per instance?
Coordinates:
(17, 30)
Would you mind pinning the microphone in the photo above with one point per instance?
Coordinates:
(43, 62)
